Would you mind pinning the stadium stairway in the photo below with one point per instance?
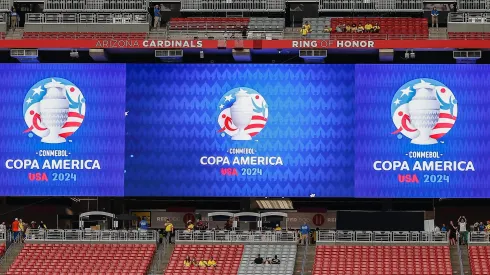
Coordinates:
(466, 260)
(17, 34)
(9, 257)
(310, 259)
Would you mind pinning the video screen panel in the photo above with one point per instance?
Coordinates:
(62, 130)
(240, 130)
(422, 131)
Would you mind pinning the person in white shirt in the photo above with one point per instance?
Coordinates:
(3, 227)
(437, 229)
(462, 229)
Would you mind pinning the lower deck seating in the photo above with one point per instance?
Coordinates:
(285, 253)
(82, 35)
(74, 259)
(227, 259)
(479, 260)
(2, 249)
(382, 260)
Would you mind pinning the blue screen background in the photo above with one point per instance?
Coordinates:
(467, 140)
(172, 122)
(101, 135)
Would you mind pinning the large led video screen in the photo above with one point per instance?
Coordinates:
(62, 130)
(240, 130)
(422, 131)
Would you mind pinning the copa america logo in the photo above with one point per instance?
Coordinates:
(243, 113)
(54, 108)
(424, 110)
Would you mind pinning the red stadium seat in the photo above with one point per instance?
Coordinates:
(382, 260)
(83, 259)
(397, 28)
(208, 23)
(227, 257)
(83, 35)
(479, 260)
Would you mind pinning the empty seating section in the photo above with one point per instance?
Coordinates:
(391, 28)
(285, 253)
(95, 5)
(382, 260)
(2, 249)
(479, 260)
(82, 35)
(209, 23)
(227, 259)
(265, 24)
(114, 259)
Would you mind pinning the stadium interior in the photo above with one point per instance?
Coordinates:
(136, 192)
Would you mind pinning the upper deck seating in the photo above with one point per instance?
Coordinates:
(82, 35)
(209, 23)
(391, 28)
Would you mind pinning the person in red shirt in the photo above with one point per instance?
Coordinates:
(15, 229)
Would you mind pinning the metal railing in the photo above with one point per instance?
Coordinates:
(95, 5)
(235, 236)
(331, 236)
(468, 17)
(305, 256)
(3, 235)
(477, 237)
(370, 5)
(87, 18)
(91, 235)
(231, 6)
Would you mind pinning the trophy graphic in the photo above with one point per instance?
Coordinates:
(54, 111)
(424, 112)
(241, 114)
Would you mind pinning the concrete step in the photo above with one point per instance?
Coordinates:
(310, 259)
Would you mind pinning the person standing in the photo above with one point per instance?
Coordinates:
(435, 17)
(15, 229)
(169, 230)
(156, 17)
(13, 18)
(144, 224)
(305, 233)
(462, 229)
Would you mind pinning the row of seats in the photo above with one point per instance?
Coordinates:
(388, 25)
(227, 259)
(208, 23)
(479, 260)
(382, 260)
(2, 249)
(131, 259)
(83, 35)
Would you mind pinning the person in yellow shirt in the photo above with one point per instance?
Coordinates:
(347, 28)
(308, 26)
(211, 262)
(169, 230)
(203, 263)
(187, 261)
(190, 225)
(304, 31)
(368, 27)
(278, 228)
(327, 29)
